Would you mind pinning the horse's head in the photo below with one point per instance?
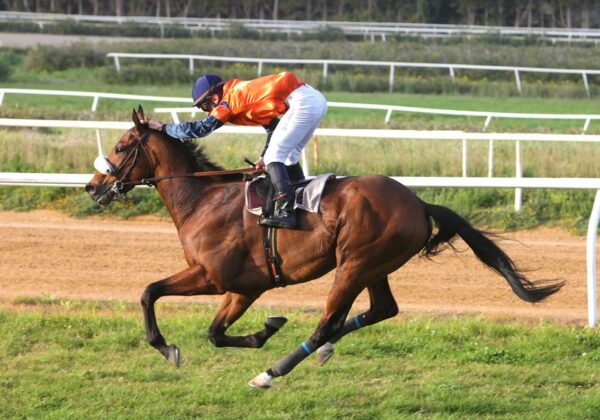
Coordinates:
(128, 162)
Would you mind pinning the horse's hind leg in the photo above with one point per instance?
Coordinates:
(338, 305)
(382, 306)
(191, 281)
(232, 308)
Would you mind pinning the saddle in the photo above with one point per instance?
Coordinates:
(308, 193)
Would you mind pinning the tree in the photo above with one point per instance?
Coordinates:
(119, 8)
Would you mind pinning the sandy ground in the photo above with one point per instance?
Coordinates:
(48, 253)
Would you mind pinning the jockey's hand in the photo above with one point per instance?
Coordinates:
(155, 125)
(260, 165)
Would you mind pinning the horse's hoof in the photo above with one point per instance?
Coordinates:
(276, 322)
(325, 352)
(263, 381)
(174, 356)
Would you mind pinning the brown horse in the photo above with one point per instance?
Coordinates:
(367, 227)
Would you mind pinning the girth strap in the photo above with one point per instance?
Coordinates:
(273, 261)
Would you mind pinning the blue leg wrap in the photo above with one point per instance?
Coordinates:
(306, 348)
(291, 360)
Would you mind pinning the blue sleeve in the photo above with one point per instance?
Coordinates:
(194, 129)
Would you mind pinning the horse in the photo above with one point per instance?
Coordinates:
(367, 227)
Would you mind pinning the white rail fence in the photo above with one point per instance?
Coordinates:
(392, 65)
(78, 180)
(462, 136)
(370, 30)
(488, 115)
(96, 96)
(587, 118)
(174, 112)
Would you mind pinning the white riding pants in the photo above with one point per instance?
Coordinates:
(307, 107)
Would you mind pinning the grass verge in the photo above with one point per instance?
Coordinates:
(70, 359)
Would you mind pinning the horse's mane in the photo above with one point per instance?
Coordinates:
(194, 152)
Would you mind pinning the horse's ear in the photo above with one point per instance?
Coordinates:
(136, 120)
(140, 112)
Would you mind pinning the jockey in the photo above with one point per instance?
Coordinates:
(260, 102)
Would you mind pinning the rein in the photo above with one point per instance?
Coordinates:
(120, 184)
(154, 180)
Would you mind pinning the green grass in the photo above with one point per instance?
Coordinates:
(70, 359)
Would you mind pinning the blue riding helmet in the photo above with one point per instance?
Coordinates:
(205, 86)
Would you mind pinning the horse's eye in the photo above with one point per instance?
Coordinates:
(119, 150)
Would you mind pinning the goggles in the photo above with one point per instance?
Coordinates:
(103, 165)
(204, 105)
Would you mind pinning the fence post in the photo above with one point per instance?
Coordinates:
(1, 97)
(391, 78)
(586, 125)
(592, 234)
(191, 66)
(95, 103)
(586, 84)
(518, 80)
(117, 64)
(259, 70)
(452, 74)
(316, 150)
(464, 158)
(99, 143)
(324, 70)
(518, 174)
(491, 158)
(305, 163)
(388, 116)
(487, 122)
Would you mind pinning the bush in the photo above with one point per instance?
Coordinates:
(50, 58)
(341, 78)
(29, 27)
(8, 61)
(174, 72)
(326, 34)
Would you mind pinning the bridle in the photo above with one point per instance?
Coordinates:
(118, 187)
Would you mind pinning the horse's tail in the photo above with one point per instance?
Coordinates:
(451, 224)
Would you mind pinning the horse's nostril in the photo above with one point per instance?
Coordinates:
(90, 188)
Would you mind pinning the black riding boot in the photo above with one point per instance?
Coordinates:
(283, 213)
(295, 172)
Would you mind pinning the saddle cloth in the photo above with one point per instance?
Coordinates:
(308, 195)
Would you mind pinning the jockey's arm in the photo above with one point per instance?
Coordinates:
(270, 128)
(192, 130)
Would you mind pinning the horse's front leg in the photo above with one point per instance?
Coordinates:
(232, 308)
(191, 281)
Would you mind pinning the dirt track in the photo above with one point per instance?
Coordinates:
(47, 253)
